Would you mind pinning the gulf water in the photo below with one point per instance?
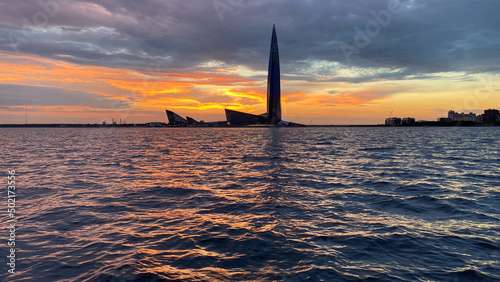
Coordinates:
(253, 204)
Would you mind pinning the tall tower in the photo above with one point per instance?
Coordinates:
(273, 83)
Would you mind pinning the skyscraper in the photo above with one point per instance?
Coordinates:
(273, 115)
(236, 118)
(273, 83)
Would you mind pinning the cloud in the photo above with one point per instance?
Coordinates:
(20, 95)
(188, 54)
(427, 36)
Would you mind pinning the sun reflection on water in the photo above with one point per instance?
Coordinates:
(257, 204)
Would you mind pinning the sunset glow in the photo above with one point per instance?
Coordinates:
(88, 69)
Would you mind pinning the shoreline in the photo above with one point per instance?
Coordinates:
(428, 124)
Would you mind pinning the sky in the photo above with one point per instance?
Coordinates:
(342, 62)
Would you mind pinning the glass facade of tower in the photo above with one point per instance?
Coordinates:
(273, 83)
(273, 115)
(236, 118)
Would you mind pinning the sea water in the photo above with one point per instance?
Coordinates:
(266, 204)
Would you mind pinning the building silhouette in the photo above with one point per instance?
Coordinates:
(273, 83)
(463, 117)
(491, 116)
(241, 118)
(408, 121)
(393, 121)
(273, 115)
(175, 119)
(237, 118)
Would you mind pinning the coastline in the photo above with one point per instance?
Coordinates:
(147, 125)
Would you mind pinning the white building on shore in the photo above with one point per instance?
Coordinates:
(471, 117)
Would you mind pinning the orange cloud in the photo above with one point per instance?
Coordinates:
(207, 91)
(172, 89)
(354, 98)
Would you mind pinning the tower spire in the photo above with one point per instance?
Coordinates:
(273, 82)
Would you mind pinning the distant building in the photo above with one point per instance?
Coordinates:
(155, 124)
(273, 114)
(394, 121)
(444, 120)
(192, 121)
(491, 116)
(454, 116)
(480, 119)
(462, 117)
(175, 119)
(237, 118)
(407, 121)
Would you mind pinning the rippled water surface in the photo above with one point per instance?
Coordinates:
(267, 204)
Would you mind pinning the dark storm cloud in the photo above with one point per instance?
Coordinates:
(424, 37)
